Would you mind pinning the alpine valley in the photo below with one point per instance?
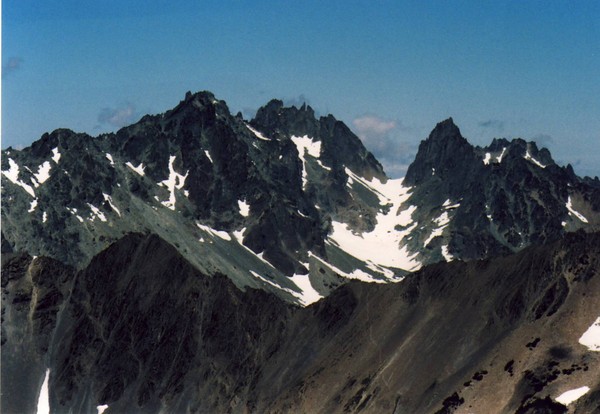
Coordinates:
(199, 262)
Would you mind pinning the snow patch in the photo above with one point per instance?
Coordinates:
(239, 236)
(73, 211)
(175, 181)
(110, 159)
(306, 297)
(306, 145)
(570, 396)
(326, 168)
(44, 217)
(110, 202)
(208, 156)
(487, 158)
(487, 213)
(569, 206)
(43, 172)
(101, 408)
(55, 155)
(258, 134)
(447, 256)
(96, 212)
(33, 205)
(13, 175)
(449, 206)
(43, 405)
(441, 222)
(528, 157)
(222, 234)
(499, 157)
(591, 337)
(139, 169)
(355, 274)
(309, 294)
(244, 208)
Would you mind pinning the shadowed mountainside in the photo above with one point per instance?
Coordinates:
(141, 330)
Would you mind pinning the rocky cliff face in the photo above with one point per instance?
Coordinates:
(199, 262)
(34, 294)
(287, 202)
(229, 197)
(487, 201)
(141, 330)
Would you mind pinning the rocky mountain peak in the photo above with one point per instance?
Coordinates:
(274, 196)
(201, 97)
(275, 117)
(445, 129)
(200, 109)
(163, 268)
(445, 152)
(340, 147)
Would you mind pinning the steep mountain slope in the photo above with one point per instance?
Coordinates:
(493, 200)
(286, 202)
(229, 198)
(141, 330)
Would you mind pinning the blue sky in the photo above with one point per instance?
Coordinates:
(390, 69)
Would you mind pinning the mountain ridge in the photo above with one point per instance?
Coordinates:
(198, 262)
(143, 331)
(285, 198)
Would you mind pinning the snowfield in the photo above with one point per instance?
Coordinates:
(382, 245)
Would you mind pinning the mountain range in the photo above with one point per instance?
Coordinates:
(199, 262)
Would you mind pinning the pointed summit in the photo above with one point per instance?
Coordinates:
(340, 147)
(445, 128)
(274, 117)
(444, 152)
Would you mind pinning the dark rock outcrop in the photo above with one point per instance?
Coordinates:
(497, 199)
(143, 331)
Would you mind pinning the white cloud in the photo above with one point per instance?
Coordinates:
(370, 125)
(390, 142)
(118, 117)
(296, 101)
